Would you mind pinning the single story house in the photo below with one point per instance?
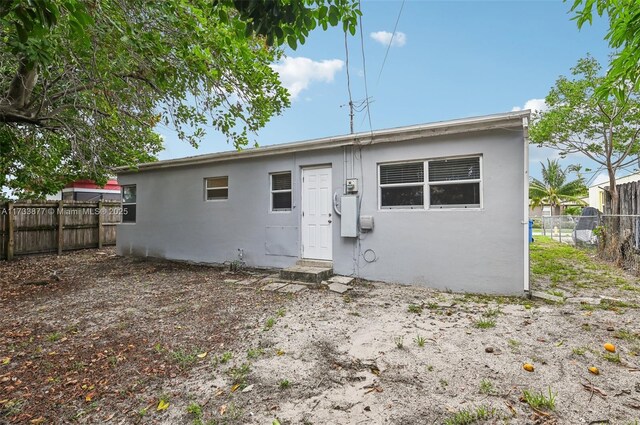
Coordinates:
(443, 205)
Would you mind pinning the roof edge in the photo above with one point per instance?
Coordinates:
(439, 128)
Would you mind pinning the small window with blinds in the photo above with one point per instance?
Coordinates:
(216, 188)
(431, 184)
(281, 192)
(402, 185)
(454, 183)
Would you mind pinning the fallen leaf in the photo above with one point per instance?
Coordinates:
(235, 387)
(5, 360)
(222, 409)
(280, 352)
(202, 355)
(37, 421)
(275, 422)
(90, 396)
(162, 405)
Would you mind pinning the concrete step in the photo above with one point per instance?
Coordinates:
(306, 273)
(315, 263)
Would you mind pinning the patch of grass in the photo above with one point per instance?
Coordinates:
(354, 313)
(185, 358)
(281, 312)
(432, 306)
(254, 353)
(492, 312)
(555, 293)
(54, 337)
(284, 384)
(399, 341)
(470, 416)
(420, 340)
(485, 323)
(195, 410)
(539, 400)
(444, 383)
(486, 387)
(414, 308)
(239, 374)
(562, 263)
(625, 335)
(513, 344)
(11, 408)
(579, 351)
(269, 323)
(611, 357)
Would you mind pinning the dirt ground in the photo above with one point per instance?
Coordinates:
(90, 337)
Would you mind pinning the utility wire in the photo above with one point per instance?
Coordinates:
(395, 28)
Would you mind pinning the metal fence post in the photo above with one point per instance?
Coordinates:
(10, 231)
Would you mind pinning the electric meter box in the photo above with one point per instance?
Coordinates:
(349, 216)
(352, 185)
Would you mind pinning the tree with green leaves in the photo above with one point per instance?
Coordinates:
(555, 188)
(604, 129)
(623, 36)
(83, 83)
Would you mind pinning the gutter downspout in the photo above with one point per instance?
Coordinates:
(525, 217)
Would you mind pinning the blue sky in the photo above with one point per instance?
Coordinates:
(448, 59)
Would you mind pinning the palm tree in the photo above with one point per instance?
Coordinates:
(554, 189)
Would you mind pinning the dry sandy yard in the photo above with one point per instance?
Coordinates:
(116, 337)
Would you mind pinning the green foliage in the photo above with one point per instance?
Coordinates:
(470, 416)
(578, 120)
(84, 84)
(623, 36)
(554, 189)
(414, 308)
(485, 323)
(539, 400)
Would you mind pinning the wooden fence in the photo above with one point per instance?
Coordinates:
(56, 226)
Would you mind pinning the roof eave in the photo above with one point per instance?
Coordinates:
(468, 125)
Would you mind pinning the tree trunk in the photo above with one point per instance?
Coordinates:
(613, 193)
(19, 93)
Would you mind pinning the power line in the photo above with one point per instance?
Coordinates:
(395, 28)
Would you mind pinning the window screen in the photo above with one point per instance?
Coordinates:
(217, 188)
(129, 196)
(454, 169)
(402, 185)
(281, 192)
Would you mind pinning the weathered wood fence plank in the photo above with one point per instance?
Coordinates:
(56, 226)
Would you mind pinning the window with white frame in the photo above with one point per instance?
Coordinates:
(402, 185)
(216, 188)
(454, 183)
(281, 192)
(129, 202)
(431, 184)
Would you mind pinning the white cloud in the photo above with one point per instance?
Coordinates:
(297, 73)
(533, 104)
(384, 38)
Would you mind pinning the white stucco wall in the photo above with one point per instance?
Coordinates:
(481, 250)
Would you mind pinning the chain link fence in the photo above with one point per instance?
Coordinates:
(558, 227)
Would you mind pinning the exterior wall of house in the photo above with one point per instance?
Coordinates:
(475, 250)
(597, 195)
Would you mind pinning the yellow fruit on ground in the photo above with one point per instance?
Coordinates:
(610, 347)
(528, 367)
(594, 370)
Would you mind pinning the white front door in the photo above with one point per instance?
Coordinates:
(317, 242)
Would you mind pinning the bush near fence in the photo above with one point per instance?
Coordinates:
(56, 226)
